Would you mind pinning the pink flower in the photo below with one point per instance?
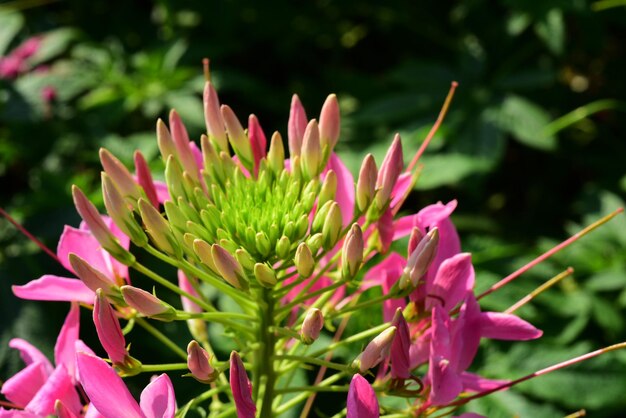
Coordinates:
(38, 386)
(110, 396)
(109, 330)
(362, 402)
(241, 388)
(82, 243)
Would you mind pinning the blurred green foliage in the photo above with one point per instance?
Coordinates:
(532, 147)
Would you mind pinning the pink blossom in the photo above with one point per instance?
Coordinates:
(362, 402)
(241, 388)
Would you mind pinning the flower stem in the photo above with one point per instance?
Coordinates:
(163, 367)
(162, 337)
(529, 297)
(267, 354)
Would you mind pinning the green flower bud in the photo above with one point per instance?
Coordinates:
(329, 188)
(121, 214)
(263, 244)
(315, 242)
(276, 154)
(265, 275)
(203, 251)
(237, 137)
(147, 304)
(158, 229)
(320, 216)
(245, 259)
(311, 154)
(332, 226)
(229, 268)
(366, 183)
(283, 246)
(120, 175)
(352, 252)
(304, 261)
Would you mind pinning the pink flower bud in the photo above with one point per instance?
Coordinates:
(213, 118)
(377, 350)
(362, 402)
(108, 329)
(199, 364)
(304, 261)
(120, 175)
(92, 277)
(296, 126)
(414, 239)
(237, 137)
(352, 252)
(241, 388)
(311, 326)
(258, 142)
(420, 259)
(366, 183)
(389, 172)
(181, 142)
(144, 178)
(62, 411)
(329, 123)
(203, 251)
(147, 304)
(164, 140)
(158, 228)
(118, 209)
(311, 155)
(229, 268)
(197, 327)
(400, 358)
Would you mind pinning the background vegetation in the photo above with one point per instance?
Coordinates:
(533, 146)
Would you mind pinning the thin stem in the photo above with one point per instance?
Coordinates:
(163, 367)
(529, 297)
(550, 252)
(367, 303)
(299, 398)
(332, 388)
(288, 307)
(433, 130)
(30, 236)
(541, 372)
(268, 356)
(162, 337)
(313, 360)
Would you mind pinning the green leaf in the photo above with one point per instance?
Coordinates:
(10, 24)
(53, 44)
(510, 404)
(189, 107)
(448, 169)
(551, 30)
(525, 121)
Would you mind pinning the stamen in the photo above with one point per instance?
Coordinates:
(577, 414)
(433, 130)
(29, 235)
(545, 286)
(550, 253)
(205, 67)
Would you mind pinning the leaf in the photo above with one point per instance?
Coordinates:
(189, 107)
(525, 121)
(551, 30)
(10, 24)
(609, 280)
(54, 43)
(510, 404)
(449, 169)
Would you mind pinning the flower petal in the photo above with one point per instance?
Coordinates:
(362, 401)
(59, 386)
(501, 326)
(65, 347)
(475, 383)
(454, 278)
(30, 354)
(157, 399)
(445, 382)
(106, 390)
(55, 288)
(82, 243)
(22, 387)
(345, 188)
(241, 388)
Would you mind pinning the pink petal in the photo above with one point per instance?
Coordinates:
(475, 383)
(466, 334)
(59, 386)
(362, 401)
(401, 188)
(22, 387)
(108, 329)
(65, 347)
(345, 188)
(454, 278)
(161, 190)
(157, 399)
(13, 413)
(82, 243)
(105, 388)
(400, 359)
(197, 154)
(501, 326)
(63, 411)
(420, 349)
(403, 226)
(296, 126)
(92, 412)
(31, 354)
(185, 284)
(258, 142)
(55, 288)
(385, 230)
(241, 388)
(116, 269)
(445, 383)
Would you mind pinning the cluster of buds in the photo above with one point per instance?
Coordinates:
(294, 245)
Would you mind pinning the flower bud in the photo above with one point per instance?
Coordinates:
(362, 401)
(158, 229)
(283, 246)
(311, 326)
(181, 142)
(352, 252)
(311, 155)
(304, 261)
(265, 275)
(121, 214)
(120, 175)
(241, 388)
(213, 118)
(98, 228)
(199, 363)
(203, 251)
(263, 244)
(92, 277)
(420, 259)
(376, 351)
(315, 242)
(332, 226)
(296, 126)
(164, 141)
(400, 357)
(320, 216)
(276, 154)
(389, 172)
(212, 163)
(174, 179)
(229, 268)
(108, 329)
(147, 304)
(329, 123)
(144, 178)
(245, 259)
(258, 142)
(329, 188)
(414, 239)
(237, 137)
(366, 183)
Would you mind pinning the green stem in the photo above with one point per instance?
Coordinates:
(303, 396)
(313, 360)
(162, 337)
(268, 347)
(338, 388)
(368, 303)
(163, 367)
(288, 307)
